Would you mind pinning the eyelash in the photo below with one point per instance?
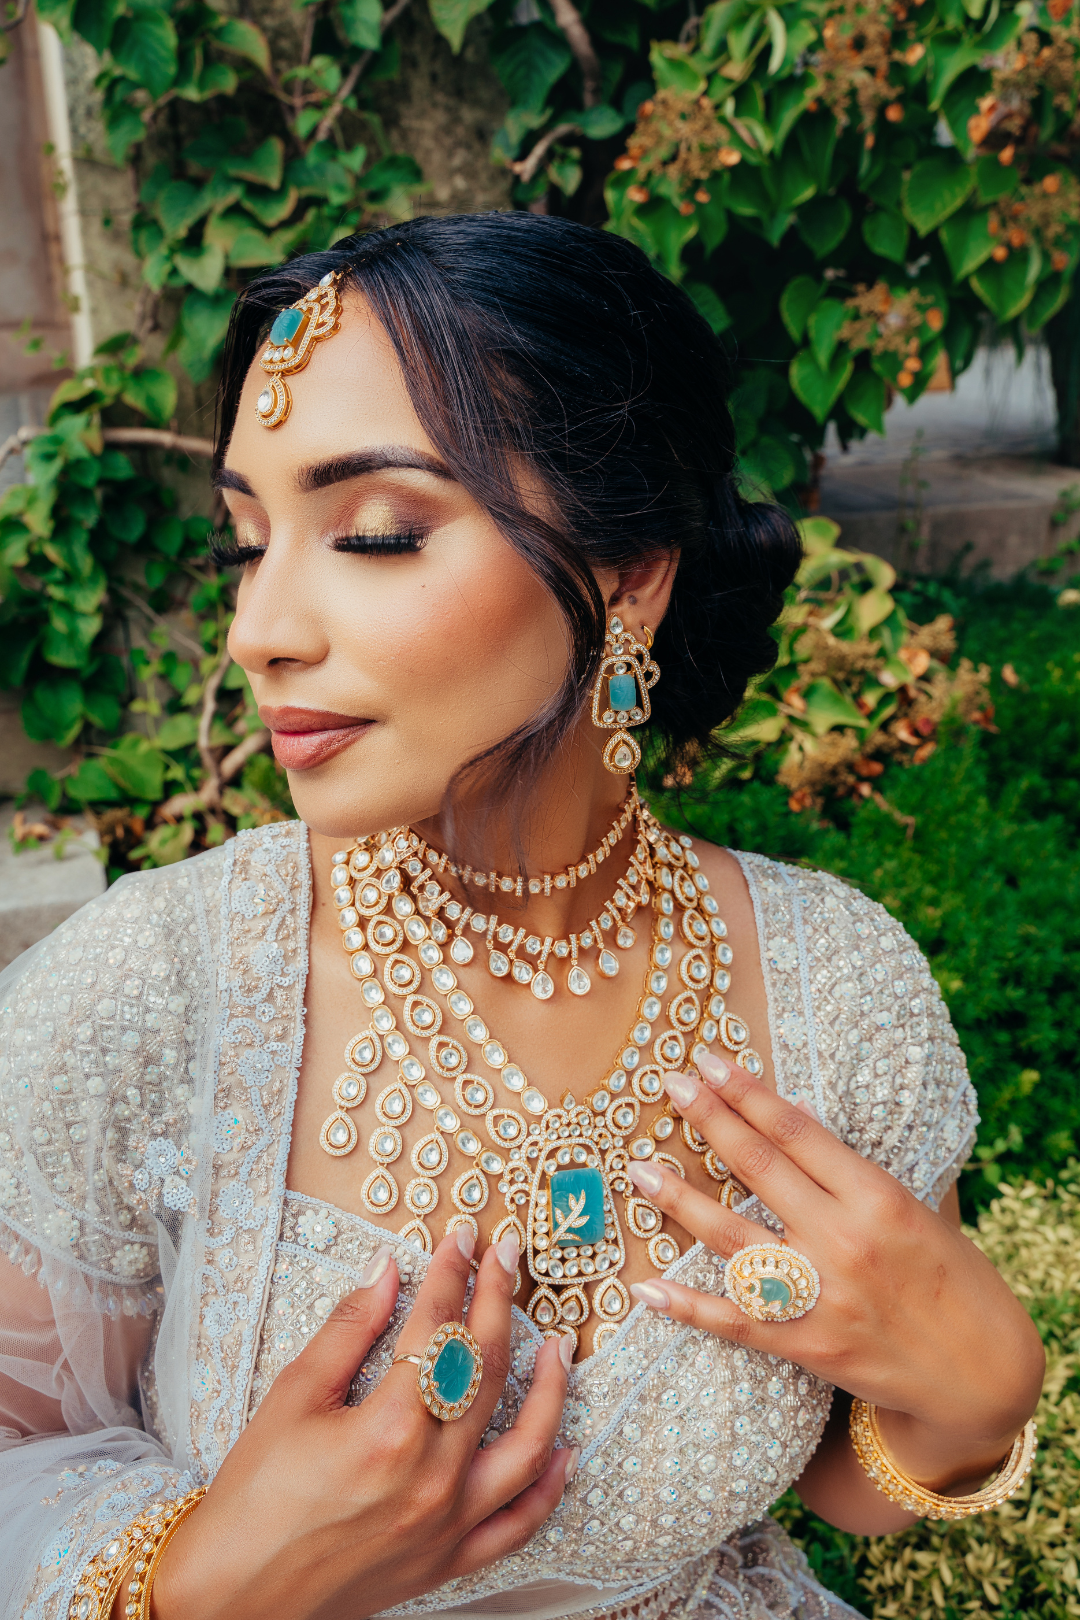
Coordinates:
(226, 554)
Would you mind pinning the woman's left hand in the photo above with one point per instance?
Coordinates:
(911, 1315)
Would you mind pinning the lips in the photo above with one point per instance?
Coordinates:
(307, 737)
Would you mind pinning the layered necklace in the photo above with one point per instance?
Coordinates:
(560, 1168)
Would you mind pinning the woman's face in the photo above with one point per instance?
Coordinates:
(389, 632)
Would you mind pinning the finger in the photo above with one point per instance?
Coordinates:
(719, 1316)
(519, 1457)
(441, 1296)
(797, 1132)
(758, 1163)
(325, 1368)
(510, 1527)
(720, 1229)
(489, 1323)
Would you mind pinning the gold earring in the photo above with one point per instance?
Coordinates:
(628, 672)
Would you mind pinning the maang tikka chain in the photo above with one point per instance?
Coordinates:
(628, 671)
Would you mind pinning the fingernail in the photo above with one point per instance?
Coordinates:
(808, 1108)
(375, 1267)
(681, 1089)
(566, 1351)
(465, 1241)
(647, 1177)
(506, 1252)
(651, 1293)
(714, 1071)
(572, 1465)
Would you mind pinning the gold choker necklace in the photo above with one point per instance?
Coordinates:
(561, 1169)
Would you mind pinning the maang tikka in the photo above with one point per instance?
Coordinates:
(627, 672)
(289, 347)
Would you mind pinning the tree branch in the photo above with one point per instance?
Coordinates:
(526, 167)
(156, 618)
(348, 84)
(570, 21)
(158, 438)
(210, 792)
(233, 763)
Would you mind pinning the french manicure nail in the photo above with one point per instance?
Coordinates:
(506, 1252)
(647, 1177)
(375, 1267)
(465, 1241)
(572, 1465)
(714, 1071)
(566, 1350)
(681, 1089)
(651, 1293)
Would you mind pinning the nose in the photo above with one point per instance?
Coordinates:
(278, 624)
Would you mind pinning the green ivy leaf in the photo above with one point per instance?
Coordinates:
(673, 71)
(53, 711)
(178, 206)
(125, 521)
(144, 46)
(530, 64)
(709, 305)
(865, 397)
(203, 323)
(123, 127)
(771, 462)
(995, 179)
(823, 329)
(827, 706)
(153, 392)
(94, 20)
(598, 123)
(818, 388)
(264, 166)
(16, 649)
(452, 17)
(1008, 288)
(795, 183)
(271, 207)
(796, 301)
(102, 710)
(1050, 296)
(361, 23)
(245, 39)
(967, 241)
(667, 232)
(934, 189)
(91, 784)
(177, 731)
(136, 766)
(203, 267)
(886, 234)
(950, 55)
(823, 224)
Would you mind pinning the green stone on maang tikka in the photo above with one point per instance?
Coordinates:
(774, 1291)
(286, 326)
(453, 1371)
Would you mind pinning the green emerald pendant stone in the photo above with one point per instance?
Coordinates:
(622, 692)
(774, 1291)
(286, 326)
(577, 1206)
(452, 1372)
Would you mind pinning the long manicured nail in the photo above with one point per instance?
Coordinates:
(714, 1071)
(375, 1267)
(681, 1089)
(647, 1177)
(506, 1252)
(572, 1465)
(566, 1351)
(651, 1293)
(465, 1241)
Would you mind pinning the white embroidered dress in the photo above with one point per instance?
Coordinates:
(147, 1081)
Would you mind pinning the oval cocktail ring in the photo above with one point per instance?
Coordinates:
(448, 1372)
(771, 1283)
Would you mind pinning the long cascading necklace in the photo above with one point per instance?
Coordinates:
(561, 1169)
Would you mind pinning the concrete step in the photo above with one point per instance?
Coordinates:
(40, 887)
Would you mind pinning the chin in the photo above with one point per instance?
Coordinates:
(344, 804)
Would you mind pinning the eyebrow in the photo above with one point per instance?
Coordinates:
(323, 474)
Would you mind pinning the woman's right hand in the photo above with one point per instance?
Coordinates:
(323, 1511)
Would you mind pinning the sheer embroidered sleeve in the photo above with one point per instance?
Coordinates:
(859, 1027)
(105, 1030)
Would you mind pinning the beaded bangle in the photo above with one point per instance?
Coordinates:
(907, 1493)
(136, 1551)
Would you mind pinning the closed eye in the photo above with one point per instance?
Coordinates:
(229, 554)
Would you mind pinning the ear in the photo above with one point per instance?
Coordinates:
(643, 590)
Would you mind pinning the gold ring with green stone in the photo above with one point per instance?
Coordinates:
(448, 1372)
(772, 1283)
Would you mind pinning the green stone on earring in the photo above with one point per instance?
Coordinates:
(622, 692)
(286, 326)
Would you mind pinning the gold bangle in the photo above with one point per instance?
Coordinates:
(136, 1551)
(907, 1493)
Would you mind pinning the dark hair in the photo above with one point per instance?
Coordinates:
(525, 335)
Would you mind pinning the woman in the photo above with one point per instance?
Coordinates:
(480, 475)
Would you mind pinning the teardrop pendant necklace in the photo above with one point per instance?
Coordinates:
(562, 1169)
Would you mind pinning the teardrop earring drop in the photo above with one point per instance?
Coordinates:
(621, 693)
